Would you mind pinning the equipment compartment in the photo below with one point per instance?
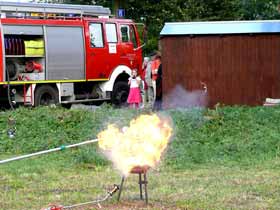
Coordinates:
(23, 30)
(24, 57)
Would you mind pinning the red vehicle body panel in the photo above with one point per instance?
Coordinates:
(1, 59)
(99, 63)
(13, 21)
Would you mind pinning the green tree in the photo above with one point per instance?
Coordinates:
(259, 9)
(212, 10)
(154, 13)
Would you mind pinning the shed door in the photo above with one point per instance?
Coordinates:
(65, 53)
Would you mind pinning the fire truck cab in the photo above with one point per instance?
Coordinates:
(57, 53)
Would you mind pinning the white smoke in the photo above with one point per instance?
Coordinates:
(181, 98)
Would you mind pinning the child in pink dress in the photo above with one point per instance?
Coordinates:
(134, 97)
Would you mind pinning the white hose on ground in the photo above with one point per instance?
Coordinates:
(87, 203)
(109, 194)
(48, 151)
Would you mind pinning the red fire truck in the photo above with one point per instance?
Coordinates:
(57, 53)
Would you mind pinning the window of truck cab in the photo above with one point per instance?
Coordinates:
(96, 35)
(111, 32)
(128, 34)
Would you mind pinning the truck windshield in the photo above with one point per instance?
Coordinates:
(96, 35)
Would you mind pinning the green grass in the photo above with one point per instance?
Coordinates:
(35, 183)
(218, 159)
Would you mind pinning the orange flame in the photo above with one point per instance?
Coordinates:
(140, 144)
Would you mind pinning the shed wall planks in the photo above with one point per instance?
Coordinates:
(237, 69)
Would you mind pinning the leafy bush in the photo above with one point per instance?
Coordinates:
(231, 134)
(227, 135)
(44, 128)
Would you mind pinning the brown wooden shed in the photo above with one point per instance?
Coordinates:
(239, 61)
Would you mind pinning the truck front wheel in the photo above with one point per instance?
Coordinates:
(45, 95)
(120, 93)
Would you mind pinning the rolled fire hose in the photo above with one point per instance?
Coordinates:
(13, 69)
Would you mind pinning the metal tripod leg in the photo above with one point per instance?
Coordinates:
(140, 186)
(121, 187)
(145, 185)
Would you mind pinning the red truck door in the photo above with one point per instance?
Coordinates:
(96, 51)
(129, 44)
(109, 45)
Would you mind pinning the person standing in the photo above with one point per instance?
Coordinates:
(149, 83)
(144, 86)
(134, 97)
(155, 66)
(158, 101)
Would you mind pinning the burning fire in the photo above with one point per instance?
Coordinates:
(140, 144)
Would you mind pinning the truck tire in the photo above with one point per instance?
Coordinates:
(45, 95)
(120, 93)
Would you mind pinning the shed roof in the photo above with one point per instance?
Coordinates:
(221, 27)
